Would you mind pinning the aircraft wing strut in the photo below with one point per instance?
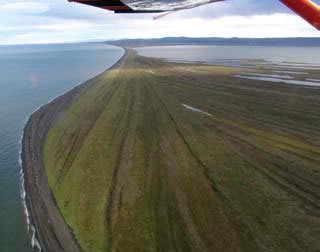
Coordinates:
(307, 9)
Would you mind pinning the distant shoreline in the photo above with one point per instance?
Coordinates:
(51, 230)
(216, 41)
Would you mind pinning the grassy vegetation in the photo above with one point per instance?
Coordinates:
(133, 170)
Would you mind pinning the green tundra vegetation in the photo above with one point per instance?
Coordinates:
(170, 157)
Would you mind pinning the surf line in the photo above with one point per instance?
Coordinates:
(35, 244)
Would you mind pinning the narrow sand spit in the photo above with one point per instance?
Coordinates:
(52, 232)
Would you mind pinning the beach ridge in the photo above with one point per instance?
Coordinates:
(51, 229)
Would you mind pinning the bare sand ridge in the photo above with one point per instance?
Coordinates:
(52, 231)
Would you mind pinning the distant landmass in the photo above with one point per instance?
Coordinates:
(218, 41)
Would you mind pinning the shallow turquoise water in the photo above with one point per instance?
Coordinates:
(29, 77)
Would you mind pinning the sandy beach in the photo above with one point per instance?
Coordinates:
(51, 230)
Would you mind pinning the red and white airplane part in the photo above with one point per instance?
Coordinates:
(307, 9)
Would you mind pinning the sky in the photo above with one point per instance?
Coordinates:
(58, 21)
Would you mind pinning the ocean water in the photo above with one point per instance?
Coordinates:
(296, 57)
(281, 64)
(29, 77)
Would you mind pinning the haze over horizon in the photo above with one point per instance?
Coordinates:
(48, 21)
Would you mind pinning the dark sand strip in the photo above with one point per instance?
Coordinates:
(52, 231)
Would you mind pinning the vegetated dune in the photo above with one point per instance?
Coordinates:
(133, 168)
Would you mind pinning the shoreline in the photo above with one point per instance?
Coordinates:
(50, 233)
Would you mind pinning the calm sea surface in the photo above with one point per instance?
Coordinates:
(29, 77)
(213, 54)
